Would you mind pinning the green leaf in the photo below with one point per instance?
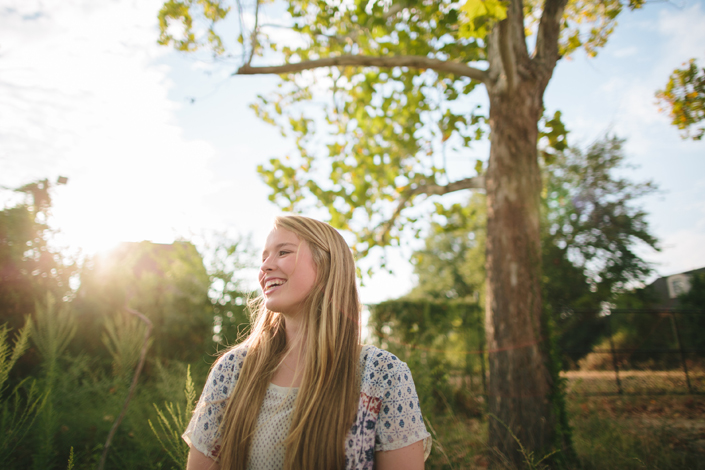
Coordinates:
(480, 15)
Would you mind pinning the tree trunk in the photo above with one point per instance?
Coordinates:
(520, 384)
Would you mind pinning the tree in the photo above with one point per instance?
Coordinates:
(400, 81)
(693, 325)
(452, 263)
(684, 99)
(168, 283)
(29, 265)
(592, 225)
(226, 259)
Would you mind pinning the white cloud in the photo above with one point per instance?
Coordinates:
(685, 32)
(681, 251)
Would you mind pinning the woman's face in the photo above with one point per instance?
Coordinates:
(288, 272)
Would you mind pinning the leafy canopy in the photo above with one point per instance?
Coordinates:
(372, 142)
(684, 99)
(592, 227)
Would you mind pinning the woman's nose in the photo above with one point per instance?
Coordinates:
(266, 265)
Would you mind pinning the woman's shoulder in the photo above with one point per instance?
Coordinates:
(374, 359)
(233, 354)
(229, 363)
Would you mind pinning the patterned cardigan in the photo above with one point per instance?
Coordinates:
(388, 414)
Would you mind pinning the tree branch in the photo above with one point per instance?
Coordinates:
(253, 39)
(506, 52)
(549, 31)
(476, 182)
(419, 62)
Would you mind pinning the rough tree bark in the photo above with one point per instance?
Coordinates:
(520, 384)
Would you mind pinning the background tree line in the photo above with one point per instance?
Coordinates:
(69, 345)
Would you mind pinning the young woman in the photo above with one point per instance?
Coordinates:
(301, 392)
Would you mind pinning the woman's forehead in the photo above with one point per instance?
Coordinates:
(279, 237)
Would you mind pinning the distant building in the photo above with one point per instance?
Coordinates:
(668, 288)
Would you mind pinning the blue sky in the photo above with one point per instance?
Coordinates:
(86, 92)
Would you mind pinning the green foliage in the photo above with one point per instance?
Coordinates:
(588, 24)
(31, 266)
(592, 217)
(123, 337)
(692, 326)
(375, 149)
(227, 259)
(530, 460)
(9, 356)
(695, 297)
(553, 138)
(173, 422)
(479, 16)
(167, 283)
(592, 228)
(180, 12)
(59, 399)
(18, 410)
(55, 328)
(71, 462)
(378, 136)
(436, 337)
(452, 263)
(684, 99)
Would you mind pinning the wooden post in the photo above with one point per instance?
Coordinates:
(677, 335)
(614, 355)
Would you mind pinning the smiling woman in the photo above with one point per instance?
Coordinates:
(301, 392)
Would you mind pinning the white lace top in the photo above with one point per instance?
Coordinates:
(388, 415)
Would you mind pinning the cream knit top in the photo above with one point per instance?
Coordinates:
(273, 423)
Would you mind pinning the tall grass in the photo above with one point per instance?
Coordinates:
(123, 337)
(605, 442)
(173, 421)
(19, 410)
(55, 328)
(68, 404)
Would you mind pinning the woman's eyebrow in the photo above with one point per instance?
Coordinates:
(281, 245)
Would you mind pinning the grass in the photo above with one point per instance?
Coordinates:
(640, 432)
(610, 433)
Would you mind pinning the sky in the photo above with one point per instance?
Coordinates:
(158, 145)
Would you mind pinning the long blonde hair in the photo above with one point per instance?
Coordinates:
(326, 404)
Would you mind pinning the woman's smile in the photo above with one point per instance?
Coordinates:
(272, 284)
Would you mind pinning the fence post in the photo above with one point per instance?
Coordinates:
(482, 362)
(677, 334)
(614, 355)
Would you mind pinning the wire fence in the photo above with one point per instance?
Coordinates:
(617, 352)
(634, 352)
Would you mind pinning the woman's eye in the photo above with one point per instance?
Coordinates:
(282, 253)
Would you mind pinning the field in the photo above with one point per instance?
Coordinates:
(609, 433)
(634, 382)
